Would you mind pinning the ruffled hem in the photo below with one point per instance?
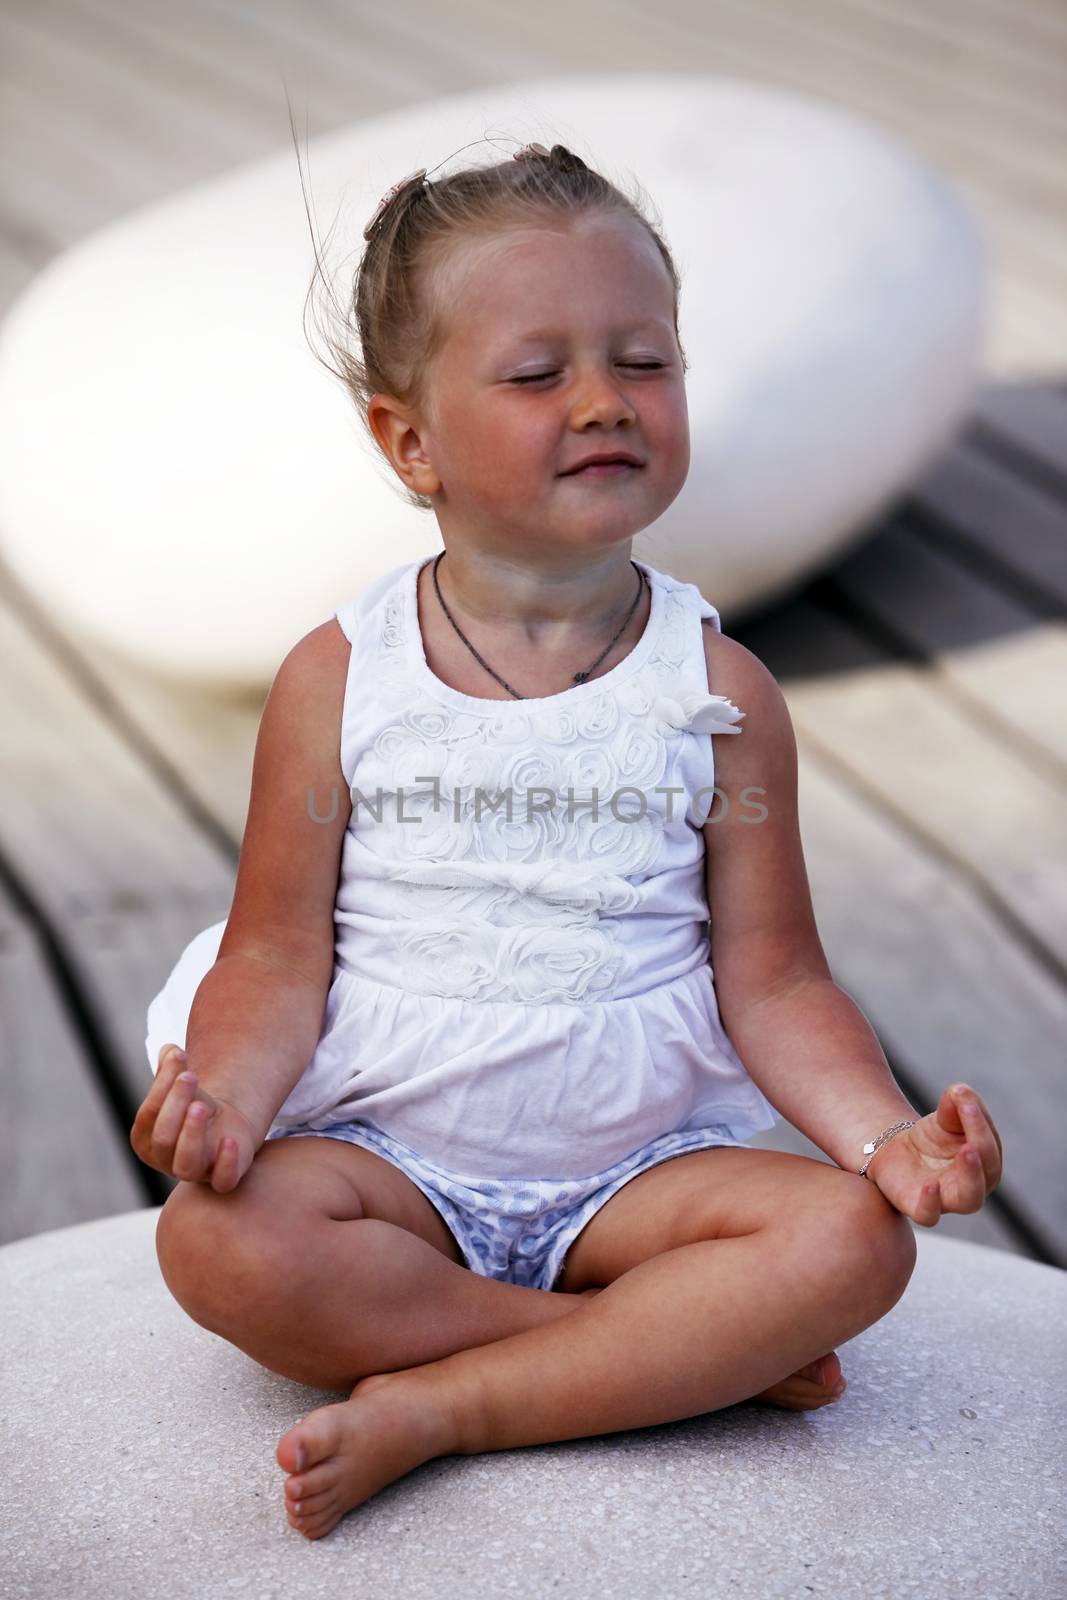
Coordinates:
(519, 1088)
(505, 1088)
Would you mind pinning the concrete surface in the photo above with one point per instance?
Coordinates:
(139, 1460)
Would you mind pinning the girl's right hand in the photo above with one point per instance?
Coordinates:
(187, 1133)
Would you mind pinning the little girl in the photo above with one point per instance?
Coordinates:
(459, 1043)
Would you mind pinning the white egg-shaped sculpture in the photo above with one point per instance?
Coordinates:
(183, 483)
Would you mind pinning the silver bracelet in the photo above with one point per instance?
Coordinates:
(883, 1138)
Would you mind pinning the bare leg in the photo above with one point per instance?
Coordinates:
(689, 1331)
(380, 1298)
(384, 1300)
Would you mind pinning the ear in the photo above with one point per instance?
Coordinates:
(396, 429)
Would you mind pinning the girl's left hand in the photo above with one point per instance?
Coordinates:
(949, 1161)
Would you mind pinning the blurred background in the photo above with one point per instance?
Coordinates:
(925, 671)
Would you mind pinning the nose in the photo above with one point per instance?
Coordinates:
(599, 398)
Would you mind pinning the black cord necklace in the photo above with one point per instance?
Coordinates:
(579, 677)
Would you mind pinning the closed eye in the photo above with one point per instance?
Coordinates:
(636, 366)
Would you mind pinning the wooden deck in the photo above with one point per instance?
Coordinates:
(925, 671)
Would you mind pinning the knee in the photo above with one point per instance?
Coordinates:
(871, 1244)
(215, 1254)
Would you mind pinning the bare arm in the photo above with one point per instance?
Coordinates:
(252, 1030)
(257, 1014)
(803, 1039)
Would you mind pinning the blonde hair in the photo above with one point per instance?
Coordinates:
(397, 309)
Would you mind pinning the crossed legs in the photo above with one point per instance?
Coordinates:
(724, 1271)
(327, 1264)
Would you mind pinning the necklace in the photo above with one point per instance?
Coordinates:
(579, 677)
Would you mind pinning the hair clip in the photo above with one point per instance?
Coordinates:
(530, 150)
(389, 197)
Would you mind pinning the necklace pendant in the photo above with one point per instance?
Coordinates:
(580, 677)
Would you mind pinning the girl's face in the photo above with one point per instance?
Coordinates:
(560, 344)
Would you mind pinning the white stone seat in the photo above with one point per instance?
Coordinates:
(139, 1460)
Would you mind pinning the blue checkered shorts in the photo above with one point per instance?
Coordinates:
(516, 1229)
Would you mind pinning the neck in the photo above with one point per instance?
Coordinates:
(549, 602)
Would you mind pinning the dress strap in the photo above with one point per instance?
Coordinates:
(352, 614)
(346, 619)
(707, 610)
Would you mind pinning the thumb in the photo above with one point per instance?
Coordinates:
(948, 1109)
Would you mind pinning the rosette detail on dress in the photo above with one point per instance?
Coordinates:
(692, 711)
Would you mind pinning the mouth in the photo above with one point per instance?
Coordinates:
(604, 469)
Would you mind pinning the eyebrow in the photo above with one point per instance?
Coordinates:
(541, 334)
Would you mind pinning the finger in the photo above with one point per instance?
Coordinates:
(170, 1064)
(987, 1141)
(962, 1184)
(928, 1209)
(146, 1122)
(949, 1109)
(168, 1052)
(972, 1179)
(172, 1114)
(225, 1175)
(984, 1123)
(189, 1160)
(981, 1136)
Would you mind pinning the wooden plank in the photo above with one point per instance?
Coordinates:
(1017, 94)
(775, 42)
(1008, 40)
(200, 745)
(197, 58)
(70, 187)
(978, 508)
(358, 47)
(912, 933)
(345, 65)
(71, 67)
(1032, 418)
(949, 995)
(1026, 338)
(1041, 23)
(999, 662)
(995, 815)
(63, 1157)
(349, 65)
(118, 870)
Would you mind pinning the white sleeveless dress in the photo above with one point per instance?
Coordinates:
(521, 980)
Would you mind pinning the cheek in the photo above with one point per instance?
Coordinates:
(498, 464)
(512, 447)
(669, 434)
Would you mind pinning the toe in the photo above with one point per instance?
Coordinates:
(311, 1440)
(315, 1480)
(316, 1527)
(831, 1369)
(292, 1452)
(825, 1370)
(312, 1505)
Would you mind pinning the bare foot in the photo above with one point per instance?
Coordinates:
(806, 1390)
(341, 1455)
